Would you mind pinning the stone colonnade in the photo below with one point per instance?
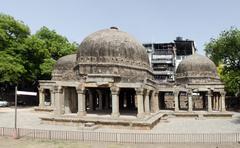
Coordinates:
(146, 101)
(216, 100)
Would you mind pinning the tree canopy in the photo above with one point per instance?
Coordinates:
(225, 53)
(26, 57)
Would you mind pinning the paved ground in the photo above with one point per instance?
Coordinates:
(28, 118)
(29, 143)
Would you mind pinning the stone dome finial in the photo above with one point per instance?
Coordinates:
(114, 27)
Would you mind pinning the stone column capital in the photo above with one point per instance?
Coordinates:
(189, 92)
(209, 92)
(176, 92)
(114, 90)
(41, 89)
(80, 90)
(155, 93)
(52, 90)
(147, 92)
(58, 89)
(223, 93)
(139, 91)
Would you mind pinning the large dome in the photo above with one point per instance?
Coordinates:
(196, 69)
(115, 53)
(112, 45)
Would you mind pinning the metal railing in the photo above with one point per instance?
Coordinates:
(138, 137)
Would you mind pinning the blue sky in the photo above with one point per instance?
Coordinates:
(146, 20)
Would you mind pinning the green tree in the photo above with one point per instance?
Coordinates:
(225, 51)
(40, 53)
(11, 68)
(33, 55)
(12, 37)
(26, 58)
(12, 32)
(57, 46)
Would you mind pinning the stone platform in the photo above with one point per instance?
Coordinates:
(126, 122)
(200, 114)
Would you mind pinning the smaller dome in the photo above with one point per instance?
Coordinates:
(197, 63)
(66, 62)
(64, 68)
(196, 68)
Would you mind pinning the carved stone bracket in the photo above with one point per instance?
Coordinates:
(189, 92)
(139, 91)
(80, 89)
(114, 90)
(223, 93)
(58, 89)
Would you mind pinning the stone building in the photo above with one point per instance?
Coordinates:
(198, 75)
(111, 79)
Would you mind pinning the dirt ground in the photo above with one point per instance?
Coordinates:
(8, 142)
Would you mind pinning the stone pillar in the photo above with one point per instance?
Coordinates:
(90, 95)
(216, 103)
(176, 107)
(100, 99)
(223, 107)
(140, 107)
(115, 102)
(209, 96)
(41, 97)
(52, 97)
(154, 102)
(190, 104)
(219, 103)
(59, 100)
(135, 101)
(146, 103)
(81, 101)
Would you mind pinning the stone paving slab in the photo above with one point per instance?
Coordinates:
(28, 118)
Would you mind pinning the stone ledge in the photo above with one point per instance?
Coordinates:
(44, 109)
(146, 123)
(203, 114)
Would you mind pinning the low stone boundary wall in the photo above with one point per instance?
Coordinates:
(137, 137)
